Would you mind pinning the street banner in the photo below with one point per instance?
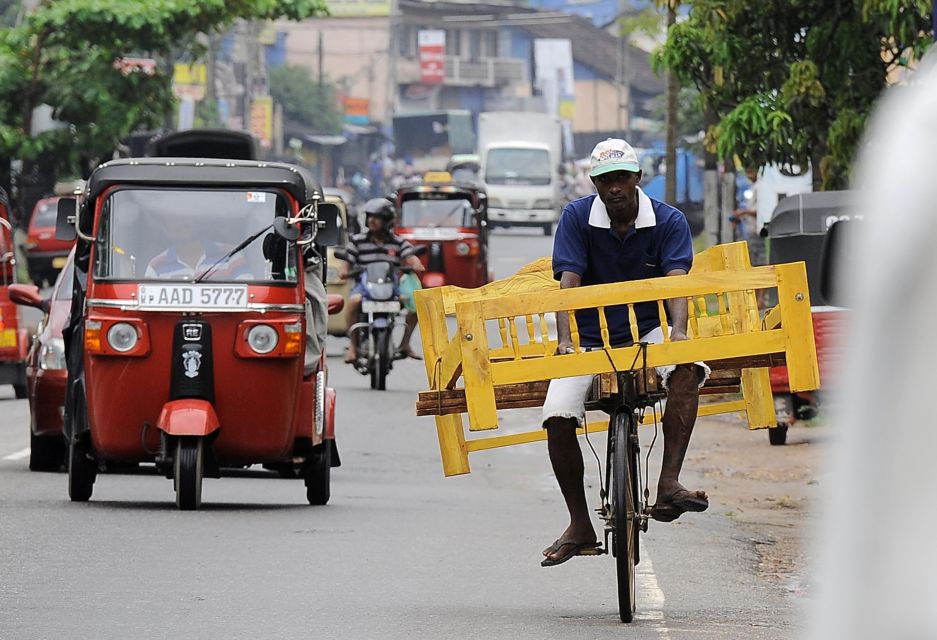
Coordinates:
(358, 8)
(553, 72)
(357, 110)
(432, 44)
(262, 120)
(189, 81)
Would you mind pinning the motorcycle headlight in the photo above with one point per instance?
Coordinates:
(52, 354)
(122, 337)
(381, 290)
(262, 338)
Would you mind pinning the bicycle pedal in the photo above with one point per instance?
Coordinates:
(593, 551)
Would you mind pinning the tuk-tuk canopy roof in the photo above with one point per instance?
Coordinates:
(809, 213)
(210, 143)
(443, 187)
(204, 172)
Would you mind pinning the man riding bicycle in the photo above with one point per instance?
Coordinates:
(617, 235)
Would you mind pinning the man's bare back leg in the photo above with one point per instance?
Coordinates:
(566, 458)
(679, 419)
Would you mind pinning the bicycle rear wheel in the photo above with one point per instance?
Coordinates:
(625, 536)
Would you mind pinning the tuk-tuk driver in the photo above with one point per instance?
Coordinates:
(379, 244)
(616, 235)
(189, 255)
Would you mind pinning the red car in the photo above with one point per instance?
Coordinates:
(45, 370)
(45, 256)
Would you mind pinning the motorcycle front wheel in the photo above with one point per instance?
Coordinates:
(380, 360)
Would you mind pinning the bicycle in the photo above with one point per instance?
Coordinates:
(622, 510)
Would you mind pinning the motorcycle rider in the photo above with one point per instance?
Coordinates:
(379, 244)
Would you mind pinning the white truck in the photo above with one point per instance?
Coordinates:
(520, 158)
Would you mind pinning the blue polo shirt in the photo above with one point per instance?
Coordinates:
(659, 241)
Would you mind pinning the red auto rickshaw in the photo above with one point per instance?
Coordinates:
(451, 220)
(797, 231)
(14, 341)
(187, 339)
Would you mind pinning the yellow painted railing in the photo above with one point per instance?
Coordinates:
(501, 340)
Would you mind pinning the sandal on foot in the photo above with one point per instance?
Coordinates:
(403, 354)
(572, 549)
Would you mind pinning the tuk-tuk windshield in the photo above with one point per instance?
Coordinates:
(166, 234)
(437, 213)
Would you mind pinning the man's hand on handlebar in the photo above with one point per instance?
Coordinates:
(414, 263)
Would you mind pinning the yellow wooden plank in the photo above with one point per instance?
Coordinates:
(759, 401)
(536, 276)
(595, 362)
(451, 366)
(476, 368)
(525, 437)
(772, 318)
(797, 326)
(434, 335)
(452, 445)
(718, 408)
(649, 290)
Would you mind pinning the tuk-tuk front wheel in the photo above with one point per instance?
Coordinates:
(81, 473)
(189, 469)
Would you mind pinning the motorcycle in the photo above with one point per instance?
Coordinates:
(380, 313)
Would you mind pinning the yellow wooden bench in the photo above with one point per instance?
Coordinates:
(725, 330)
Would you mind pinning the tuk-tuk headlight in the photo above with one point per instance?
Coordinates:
(262, 338)
(122, 337)
(52, 354)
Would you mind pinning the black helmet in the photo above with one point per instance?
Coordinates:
(380, 207)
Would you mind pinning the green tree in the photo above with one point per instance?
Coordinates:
(63, 56)
(793, 82)
(307, 102)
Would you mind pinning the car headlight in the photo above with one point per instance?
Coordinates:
(381, 290)
(262, 338)
(122, 337)
(543, 203)
(52, 354)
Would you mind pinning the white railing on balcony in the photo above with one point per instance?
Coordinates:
(484, 72)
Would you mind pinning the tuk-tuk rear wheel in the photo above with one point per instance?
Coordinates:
(318, 474)
(188, 472)
(46, 453)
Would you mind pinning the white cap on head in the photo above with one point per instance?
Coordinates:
(613, 154)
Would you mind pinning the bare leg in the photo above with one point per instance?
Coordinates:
(679, 419)
(353, 312)
(566, 458)
(408, 328)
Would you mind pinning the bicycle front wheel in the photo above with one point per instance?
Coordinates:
(625, 535)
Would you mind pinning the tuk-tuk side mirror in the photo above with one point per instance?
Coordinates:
(330, 225)
(28, 295)
(65, 229)
(284, 229)
(836, 262)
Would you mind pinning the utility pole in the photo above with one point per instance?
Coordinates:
(670, 186)
(392, 62)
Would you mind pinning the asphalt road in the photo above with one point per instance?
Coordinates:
(399, 552)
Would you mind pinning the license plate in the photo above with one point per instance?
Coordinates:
(195, 296)
(58, 263)
(7, 338)
(375, 306)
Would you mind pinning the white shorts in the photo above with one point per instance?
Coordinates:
(566, 397)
